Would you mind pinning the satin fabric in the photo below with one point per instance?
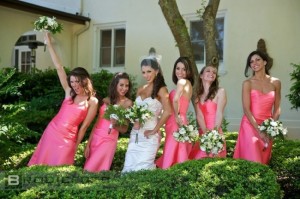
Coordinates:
(249, 145)
(58, 142)
(175, 152)
(209, 110)
(103, 145)
(141, 151)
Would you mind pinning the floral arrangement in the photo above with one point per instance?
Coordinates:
(116, 112)
(186, 133)
(48, 24)
(273, 128)
(212, 142)
(138, 113)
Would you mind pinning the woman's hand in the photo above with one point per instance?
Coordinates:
(113, 122)
(147, 133)
(179, 120)
(136, 125)
(87, 151)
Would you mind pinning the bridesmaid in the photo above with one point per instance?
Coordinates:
(209, 104)
(177, 152)
(261, 97)
(60, 139)
(101, 146)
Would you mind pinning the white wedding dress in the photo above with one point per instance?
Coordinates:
(141, 151)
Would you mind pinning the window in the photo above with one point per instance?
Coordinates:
(197, 39)
(195, 26)
(25, 62)
(110, 47)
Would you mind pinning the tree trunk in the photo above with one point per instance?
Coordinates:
(179, 31)
(209, 22)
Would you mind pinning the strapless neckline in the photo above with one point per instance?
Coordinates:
(255, 90)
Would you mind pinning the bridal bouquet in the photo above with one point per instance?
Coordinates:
(138, 113)
(48, 24)
(273, 128)
(212, 142)
(186, 133)
(116, 112)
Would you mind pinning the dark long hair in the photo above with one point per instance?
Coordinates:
(188, 67)
(112, 89)
(85, 81)
(264, 56)
(159, 80)
(213, 89)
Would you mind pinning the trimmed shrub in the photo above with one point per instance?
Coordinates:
(207, 178)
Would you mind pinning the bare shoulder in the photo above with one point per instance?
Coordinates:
(106, 100)
(275, 80)
(182, 82)
(247, 83)
(93, 101)
(221, 92)
(128, 103)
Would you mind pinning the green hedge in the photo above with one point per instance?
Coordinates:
(207, 178)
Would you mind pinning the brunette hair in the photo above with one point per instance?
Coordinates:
(188, 67)
(263, 55)
(112, 94)
(213, 89)
(85, 81)
(159, 80)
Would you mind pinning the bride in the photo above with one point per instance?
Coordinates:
(145, 139)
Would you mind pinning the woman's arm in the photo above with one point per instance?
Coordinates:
(56, 60)
(179, 91)
(221, 103)
(167, 108)
(246, 103)
(276, 109)
(92, 111)
(200, 117)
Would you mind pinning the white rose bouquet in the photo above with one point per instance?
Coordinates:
(186, 133)
(115, 112)
(212, 142)
(138, 113)
(48, 24)
(273, 128)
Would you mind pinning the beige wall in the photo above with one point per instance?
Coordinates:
(246, 22)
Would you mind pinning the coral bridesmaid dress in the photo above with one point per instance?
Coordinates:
(103, 145)
(175, 152)
(58, 142)
(249, 145)
(209, 110)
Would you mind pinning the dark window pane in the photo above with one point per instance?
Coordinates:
(106, 38)
(119, 51)
(105, 57)
(105, 49)
(197, 38)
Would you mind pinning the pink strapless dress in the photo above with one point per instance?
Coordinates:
(175, 152)
(249, 145)
(103, 145)
(58, 142)
(209, 110)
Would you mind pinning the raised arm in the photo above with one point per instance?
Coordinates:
(58, 65)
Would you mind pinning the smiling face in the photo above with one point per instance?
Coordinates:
(76, 85)
(180, 71)
(123, 87)
(257, 63)
(209, 74)
(149, 73)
